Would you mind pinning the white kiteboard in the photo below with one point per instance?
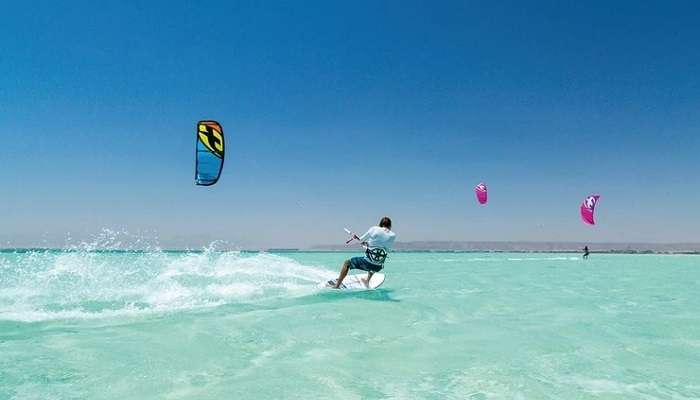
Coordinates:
(357, 282)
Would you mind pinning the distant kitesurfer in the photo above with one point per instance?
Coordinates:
(585, 252)
(377, 242)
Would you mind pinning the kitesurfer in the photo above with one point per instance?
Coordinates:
(585, 252)
(377, 241)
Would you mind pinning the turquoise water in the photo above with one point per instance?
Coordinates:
(227, 325)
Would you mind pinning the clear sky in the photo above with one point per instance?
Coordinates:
(338, 113)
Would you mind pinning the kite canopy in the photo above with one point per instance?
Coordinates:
(481, 193)
(588, 208)
(210, 153)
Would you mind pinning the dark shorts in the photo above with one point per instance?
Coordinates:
(364, 264)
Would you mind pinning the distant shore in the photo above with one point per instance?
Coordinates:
(436, 247)
(539, 247)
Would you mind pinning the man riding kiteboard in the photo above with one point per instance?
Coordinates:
(377, 241)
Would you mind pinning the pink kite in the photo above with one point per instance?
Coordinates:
(588, 207)
(481, 194)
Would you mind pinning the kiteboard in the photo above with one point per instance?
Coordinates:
(357, 282)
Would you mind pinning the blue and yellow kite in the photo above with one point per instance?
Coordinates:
(210, 153)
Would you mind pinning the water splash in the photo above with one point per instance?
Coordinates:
(103, 279)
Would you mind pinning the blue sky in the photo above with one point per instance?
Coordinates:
(338, 113)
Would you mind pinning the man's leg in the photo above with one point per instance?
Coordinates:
(343, 274)
(369, 276)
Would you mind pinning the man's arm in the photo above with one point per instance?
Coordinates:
(364, 237)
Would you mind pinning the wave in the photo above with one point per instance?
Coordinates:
(86, 284)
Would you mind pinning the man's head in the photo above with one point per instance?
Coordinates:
(385, 222)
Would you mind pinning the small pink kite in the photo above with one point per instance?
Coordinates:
(588, 207)
(481, 194)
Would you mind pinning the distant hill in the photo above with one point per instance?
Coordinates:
(674, 248)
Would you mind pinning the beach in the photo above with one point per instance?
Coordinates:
(446, 325)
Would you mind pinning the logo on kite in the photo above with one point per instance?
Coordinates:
(209, 153)
(588, 208)
(481, 193)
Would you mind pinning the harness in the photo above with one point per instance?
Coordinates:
(377, 255)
